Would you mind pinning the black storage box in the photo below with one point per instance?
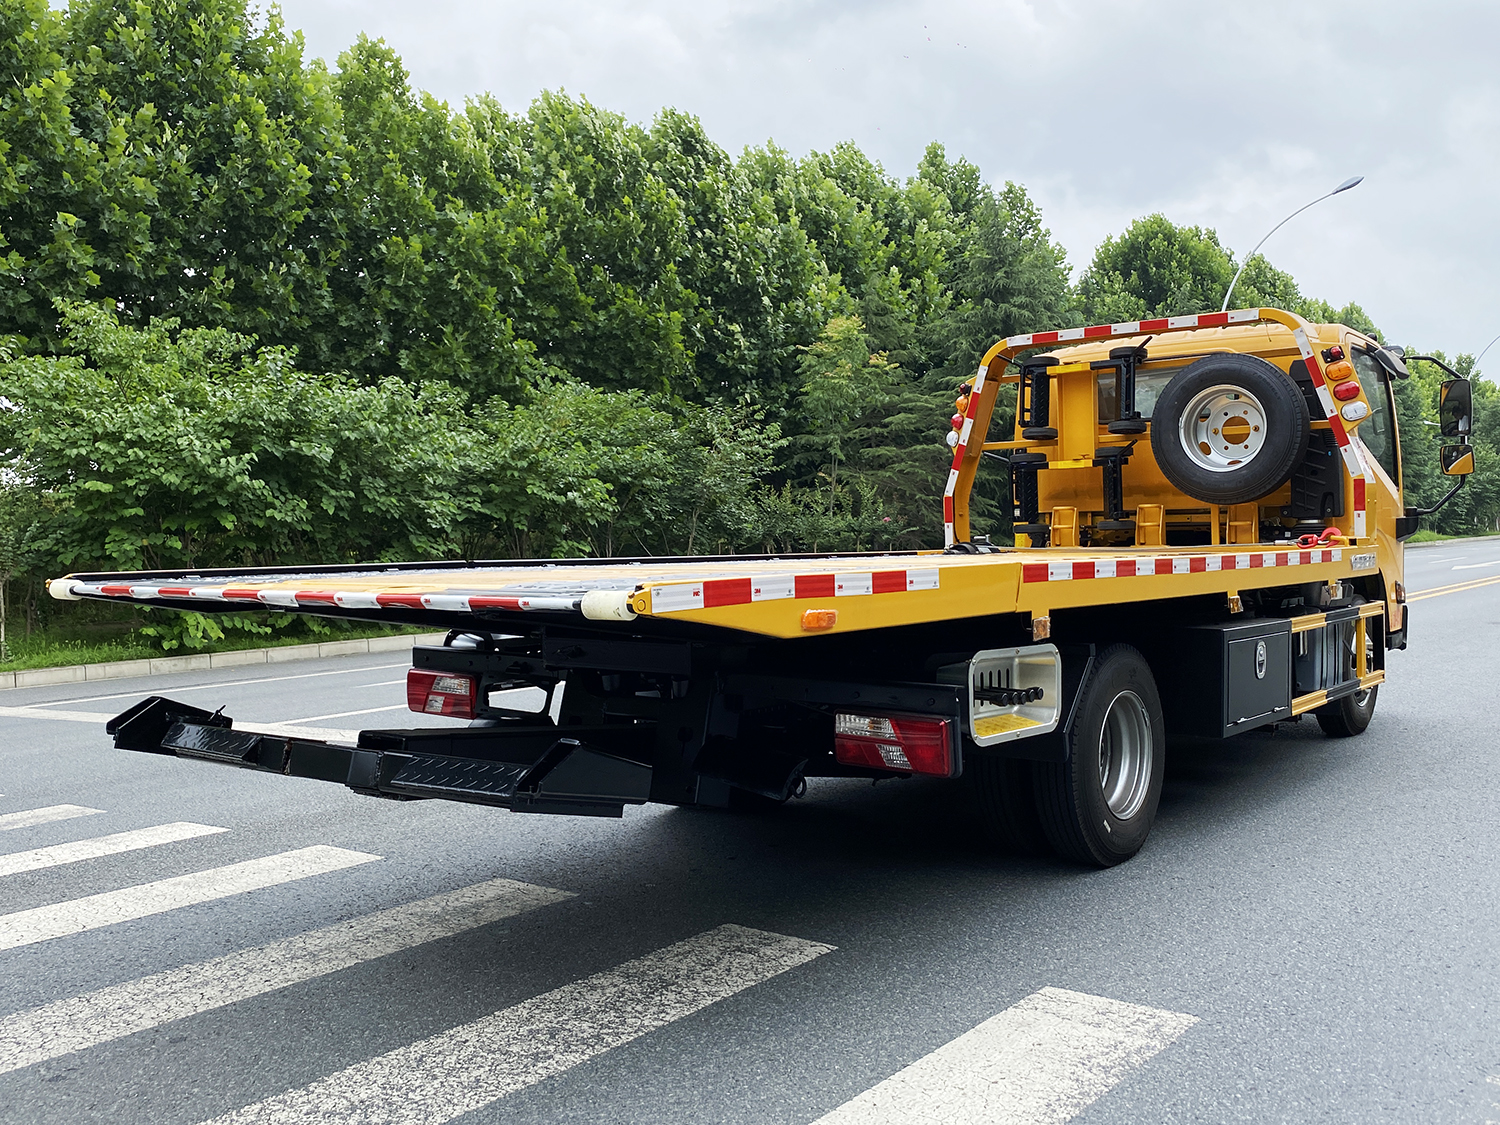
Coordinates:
(1224, 679)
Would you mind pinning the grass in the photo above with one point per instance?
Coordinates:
(1425, 536)
(57, 648)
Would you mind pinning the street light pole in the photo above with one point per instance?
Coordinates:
(1352, 181)
(1487, 347)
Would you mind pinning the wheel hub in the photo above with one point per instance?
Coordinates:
(1125, 755)
(1223, 428)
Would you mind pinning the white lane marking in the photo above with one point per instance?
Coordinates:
(327, 734)
(42, 923)
(438, 1079)
(382, 683)
(1039, 1062)
(61, 716)
(1476, 566)
(112, 1013)
(340, 715)
(32, 817)
(76, 850)
(330, 734)
(232, 683)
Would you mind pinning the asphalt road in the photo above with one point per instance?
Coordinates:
(1309, 935)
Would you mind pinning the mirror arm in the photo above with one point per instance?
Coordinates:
(1436, 362)
(1452, 492)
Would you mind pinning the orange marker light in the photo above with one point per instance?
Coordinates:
(816, 620)
(1339, 371)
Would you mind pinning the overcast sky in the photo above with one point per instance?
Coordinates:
(1229, 116)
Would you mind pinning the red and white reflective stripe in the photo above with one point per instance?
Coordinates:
(1353, 455)
(1069, 570)
(958, 455)
(677, 597)
(1134, 328)
(344, 599)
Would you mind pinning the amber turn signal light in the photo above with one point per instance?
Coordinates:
(816, 620)
(1337, 372)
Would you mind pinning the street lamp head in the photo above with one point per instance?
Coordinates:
(1352, 181)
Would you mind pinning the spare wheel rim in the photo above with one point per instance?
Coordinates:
(1223, 428)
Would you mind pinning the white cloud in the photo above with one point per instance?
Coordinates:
(1223, 115)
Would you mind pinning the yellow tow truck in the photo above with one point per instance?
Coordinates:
(1208, 525)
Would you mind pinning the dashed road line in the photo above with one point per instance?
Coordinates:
(329, 734)
(1039, 1062)
(63, 919)
(440, 1078)
(112, 1013)
(30, 818)
(340, 715)
(139, 694)
(58, 854)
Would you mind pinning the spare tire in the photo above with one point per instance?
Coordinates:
(1229, 429)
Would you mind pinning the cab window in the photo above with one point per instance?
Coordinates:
(1378, 431)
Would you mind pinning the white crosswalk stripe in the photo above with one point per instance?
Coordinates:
(124, 1009)
(1040, 1062)
(30, 818)
(42, 923)
(58, 854)
(447, 1075)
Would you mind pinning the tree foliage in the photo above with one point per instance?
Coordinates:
(255, 310)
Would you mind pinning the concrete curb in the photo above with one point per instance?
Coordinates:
(1451, 542)
(201, 662)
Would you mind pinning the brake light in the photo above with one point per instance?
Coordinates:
(1345, 391)
(910, 743)
(441, 693)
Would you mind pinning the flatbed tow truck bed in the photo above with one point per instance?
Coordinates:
(766, 596)
(1208, 542)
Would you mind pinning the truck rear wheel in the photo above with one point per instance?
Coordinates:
(1097, 806)
(1229, 429)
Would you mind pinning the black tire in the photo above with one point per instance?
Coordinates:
(1230, 473)
(1351, 715)
(1347, 717)
(1007, 810)
(1075, 811)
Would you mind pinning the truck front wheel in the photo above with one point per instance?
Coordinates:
(1098, 804)
(1349, 716)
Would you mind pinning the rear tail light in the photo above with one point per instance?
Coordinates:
(441, 693)
(911, 743)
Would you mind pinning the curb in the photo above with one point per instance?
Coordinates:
(1451, 542)
(201, 662)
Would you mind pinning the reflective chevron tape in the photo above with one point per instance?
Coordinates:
(1067, 571)
(958, 454)
(344, 599)
(1350, 450)
(676, 597)
(1134, 328)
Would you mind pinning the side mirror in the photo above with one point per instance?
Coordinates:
(1457, 460)
(1455, 408)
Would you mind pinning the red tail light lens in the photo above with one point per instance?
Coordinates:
(441, 693)
(1345, 391)
(910, 743)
